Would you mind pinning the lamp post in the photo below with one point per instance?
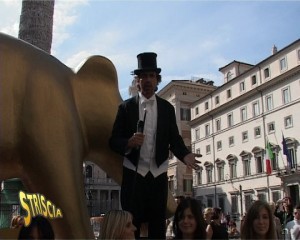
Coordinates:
(241, 200)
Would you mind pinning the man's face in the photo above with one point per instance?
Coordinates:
(297, 214)
(148, 83)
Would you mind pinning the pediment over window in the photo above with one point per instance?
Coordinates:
(220, 161)
(290, 140)
(207, 164)
(245, 153)
(231, 157)
(257, 149)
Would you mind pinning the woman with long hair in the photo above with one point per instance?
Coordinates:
(117, 224)
(188, 220)
(216, 230)
(259, 222)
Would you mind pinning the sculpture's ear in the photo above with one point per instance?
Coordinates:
(96, 84)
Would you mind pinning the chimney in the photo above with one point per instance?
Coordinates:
(274, 49)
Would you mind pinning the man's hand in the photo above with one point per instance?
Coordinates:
(190, 160)
(136, 140)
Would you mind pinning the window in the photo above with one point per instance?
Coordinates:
(196, 110)
(229, 93)
(298, 54)
(229, 76)
(292, 156)
(220, 171)
(217, 100)
(234, 204)
(207, 130)
(232, 168)
(209, 201)
(171, 183)
(230, 120)
(276, 196)
(198, 151)
(283, 64)
(267, 72)
(219, 145)
(187, 185)
(262, 196)
(185, 114)
(231, 141)
(286, 98)
(206, 105)
(197, 134)
(88, 171)
(259, 164)
(253, 80)
(242, 86)
(207, 149)
(243, 114)
(271, 127)
(269, 102)
(257, 132)
(184, 93)
(246, 165)
(209, 174)
(218, 124)
(245, 136)
(199, 177)
(255, 109)
(288, 122)
(248, 200)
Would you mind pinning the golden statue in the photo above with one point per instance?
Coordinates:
(51, 119)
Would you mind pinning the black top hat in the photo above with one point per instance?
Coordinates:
(147, 62)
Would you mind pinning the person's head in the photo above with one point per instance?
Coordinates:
(232, 224)
(39, 228)
(207, 214)
(259, 222)
(217, 214)
(178, 199)
(296, 212)
(117, 224)
(17, 221)
(188, 220)
(287, 204)
(147, 73)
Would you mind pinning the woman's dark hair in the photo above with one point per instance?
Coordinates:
(216, 213)
(247, 231)
(196, 210)
(43, 226)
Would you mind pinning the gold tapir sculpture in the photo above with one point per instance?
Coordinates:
(51, 120)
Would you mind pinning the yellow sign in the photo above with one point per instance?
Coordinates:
(36, 204)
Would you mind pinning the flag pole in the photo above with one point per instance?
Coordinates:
(280, 151)
(268, 182)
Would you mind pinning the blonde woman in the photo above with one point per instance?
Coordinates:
(117, 224)
(207, 214)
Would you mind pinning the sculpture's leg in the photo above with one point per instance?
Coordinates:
(52, 151)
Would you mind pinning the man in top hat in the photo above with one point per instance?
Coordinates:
(144, 131)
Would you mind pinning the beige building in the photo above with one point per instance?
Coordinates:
(231, 126)
(181, 93)
(102, 192)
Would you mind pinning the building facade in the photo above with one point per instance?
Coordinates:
(181, 93)
(231, 126)
(102, 192)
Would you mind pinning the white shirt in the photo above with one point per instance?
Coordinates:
(147, 153)
(293, 229)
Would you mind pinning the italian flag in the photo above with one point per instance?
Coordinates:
(269, 156)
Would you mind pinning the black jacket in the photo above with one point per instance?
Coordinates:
(167, 136)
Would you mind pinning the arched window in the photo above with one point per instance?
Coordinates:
(88, 171)
(232, 161)
(246, 162)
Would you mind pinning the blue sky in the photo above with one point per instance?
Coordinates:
(191, 38)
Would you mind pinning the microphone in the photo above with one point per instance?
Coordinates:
(140, 126)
